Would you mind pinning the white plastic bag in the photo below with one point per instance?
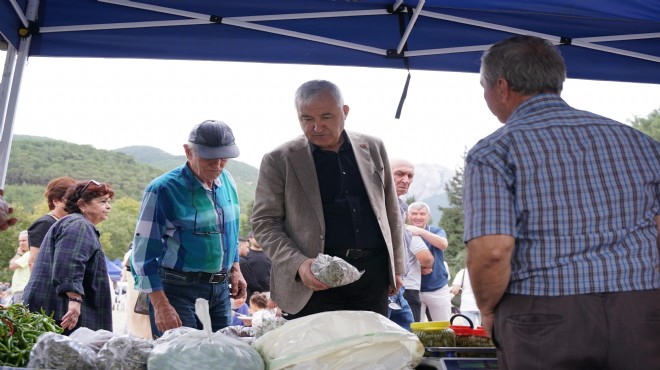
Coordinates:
(94, 339)
(340, 340)
(203, 349)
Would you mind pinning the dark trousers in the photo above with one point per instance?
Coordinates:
(369, 293)
(605, 331)
(412, 296)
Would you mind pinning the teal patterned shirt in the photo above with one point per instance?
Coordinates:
(165, 232)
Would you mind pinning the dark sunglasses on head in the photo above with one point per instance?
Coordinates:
(87, 185)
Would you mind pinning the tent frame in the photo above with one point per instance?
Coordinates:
(16, 60)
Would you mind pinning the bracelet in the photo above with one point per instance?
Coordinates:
(74, 299)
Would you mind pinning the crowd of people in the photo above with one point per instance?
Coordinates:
(562, 225)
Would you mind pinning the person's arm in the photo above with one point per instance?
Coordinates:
(237, 281)
(423, 255)
(145, 261)
(489, 266)
(437, 241)
(19, 260)
(657, 221)
(458, 282)
(6, 221)
(269, 219)
(73, 249)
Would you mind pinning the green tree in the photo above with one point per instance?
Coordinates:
(452, 221)
(9, 240)
(117, 231)
(649, 125)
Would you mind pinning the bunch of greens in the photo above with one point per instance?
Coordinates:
(19, 330)
(57, 351)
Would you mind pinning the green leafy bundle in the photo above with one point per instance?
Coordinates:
(19, 330)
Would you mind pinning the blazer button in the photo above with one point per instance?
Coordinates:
(322, 237)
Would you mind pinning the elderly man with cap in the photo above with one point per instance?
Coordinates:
(186, 239)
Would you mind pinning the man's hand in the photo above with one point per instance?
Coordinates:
(165, 314)
(399, 283)
(5, 211)
(307, 276)
(487, 322)
(238, 284)
(427, 270)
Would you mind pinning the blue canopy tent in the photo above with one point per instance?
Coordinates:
(615, 40)
(113, 270)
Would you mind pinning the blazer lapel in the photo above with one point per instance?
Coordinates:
(303, 166)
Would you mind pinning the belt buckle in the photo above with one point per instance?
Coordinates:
(217, 278)
(354, 253)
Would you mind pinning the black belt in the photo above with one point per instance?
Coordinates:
(213, 278)
(356, 254)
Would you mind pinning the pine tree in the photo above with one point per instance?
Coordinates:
(452, 221)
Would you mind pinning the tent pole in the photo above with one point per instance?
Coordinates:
(8, 124)
(7, 74)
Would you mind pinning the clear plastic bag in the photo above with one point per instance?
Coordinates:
(202, 349)
(334, 271)
(57, 351)
(340, 340)
(93, 339)
(125, 352)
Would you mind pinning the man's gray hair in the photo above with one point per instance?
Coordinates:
(419, 205)
(531, 65)
(22, 232)
(310, 90)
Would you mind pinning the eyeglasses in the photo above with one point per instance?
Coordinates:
(80, 193)
(218, 209)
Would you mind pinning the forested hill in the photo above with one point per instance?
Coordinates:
(37, 160)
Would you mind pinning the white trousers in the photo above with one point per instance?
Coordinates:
(438, 303)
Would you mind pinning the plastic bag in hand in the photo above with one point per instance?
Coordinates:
(334, 271)
(340, 340)
(202, 349)
(57, 351)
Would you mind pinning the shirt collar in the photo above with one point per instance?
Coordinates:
(189, 177)
(345, 145)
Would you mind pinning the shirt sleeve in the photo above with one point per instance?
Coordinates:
(73, 248)
(37, 231)
(148, 244)
(488, 200)
(417, 245)
(23, 260)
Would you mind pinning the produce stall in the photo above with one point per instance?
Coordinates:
(326, 340)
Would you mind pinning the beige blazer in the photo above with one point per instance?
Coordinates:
(288, 221)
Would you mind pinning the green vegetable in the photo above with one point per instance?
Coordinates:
(19, 329)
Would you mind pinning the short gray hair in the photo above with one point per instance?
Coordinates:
(530, 65)
(310, 90)
(418, 205)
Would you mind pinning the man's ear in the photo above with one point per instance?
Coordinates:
(503, 89)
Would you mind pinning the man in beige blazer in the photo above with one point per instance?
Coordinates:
(329, 191)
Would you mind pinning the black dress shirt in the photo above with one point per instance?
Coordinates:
(350, 222)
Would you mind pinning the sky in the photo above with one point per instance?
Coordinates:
(114, 103)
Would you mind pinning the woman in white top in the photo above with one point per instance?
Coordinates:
(468, 307)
